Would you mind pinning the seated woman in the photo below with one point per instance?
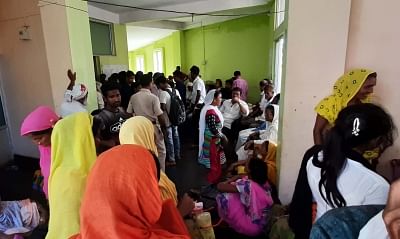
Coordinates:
(270, 133)
(256, 117)
(244, 134)
(244, 202)
(265, 151)
(211, 138)
(20, 217)
(122, 199)
(336, 174)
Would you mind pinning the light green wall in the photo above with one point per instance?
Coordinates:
(243, 44)
(81, 48)
(171, 46)
(121, 48)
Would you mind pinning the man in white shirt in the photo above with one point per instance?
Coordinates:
(199, 94)
(75, 97)
(146, 104)
(232, 110)
(199, 88)
(171, 138)
(266, 100)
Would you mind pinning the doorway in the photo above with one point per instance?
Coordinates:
(5, 146)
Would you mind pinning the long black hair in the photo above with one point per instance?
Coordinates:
(362, 127)
(258, 171)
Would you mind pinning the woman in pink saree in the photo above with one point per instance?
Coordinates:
(245, 201)
(38, 126)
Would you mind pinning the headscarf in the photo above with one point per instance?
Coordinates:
(202, 121)
(275, 120)
(42, 118)
(78, 92)
(271, 133)
(344, 90)
(122, 199)
(269, 159)
(140, 131)
(73, 154)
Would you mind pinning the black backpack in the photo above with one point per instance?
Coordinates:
(177, 114)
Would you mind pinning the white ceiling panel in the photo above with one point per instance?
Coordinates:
(141, 36)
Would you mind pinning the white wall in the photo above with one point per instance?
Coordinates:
(374, 42)
(25, 75)
(68, 46)
(316, 52)
(57, 49)
(34, 71)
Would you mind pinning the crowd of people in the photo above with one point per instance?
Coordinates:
(105, 171)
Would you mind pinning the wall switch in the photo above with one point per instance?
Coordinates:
(24, 33)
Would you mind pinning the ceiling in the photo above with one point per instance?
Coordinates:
(141, 36)
(137, 3)
(147, 26)
(161, 10)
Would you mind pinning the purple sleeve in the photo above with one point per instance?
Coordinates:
(243, 187)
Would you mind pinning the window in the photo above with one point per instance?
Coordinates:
(279, 48)
(280, 12)
(102, 35)
(140, 63)
(158, 60)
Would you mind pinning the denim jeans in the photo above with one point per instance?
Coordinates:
(344, 222)
(172, 143)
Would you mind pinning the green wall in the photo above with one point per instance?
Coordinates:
(121, 48)
(171, 46)
(244, 44)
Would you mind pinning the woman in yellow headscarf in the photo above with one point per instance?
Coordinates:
(354, 87)
(73, 154)
(140, 131)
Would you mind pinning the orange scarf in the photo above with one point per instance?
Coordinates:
(122, 199)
